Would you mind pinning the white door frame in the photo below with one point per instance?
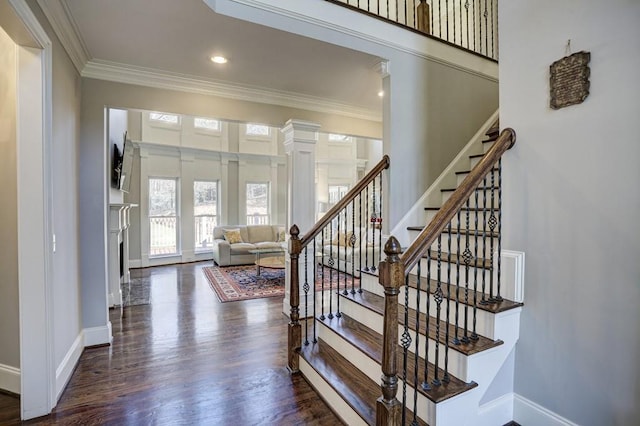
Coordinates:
(35, 218)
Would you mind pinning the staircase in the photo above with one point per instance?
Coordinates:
(453, 329)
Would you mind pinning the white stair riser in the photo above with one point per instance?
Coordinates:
(482, 201)
(457, 361)
(472, 277)
(484, 248)
(330, 396)
(486, 146)
(484, 319)
(473, 162)
(461, 177)
(483, 220)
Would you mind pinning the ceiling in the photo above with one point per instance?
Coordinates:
(179, 37)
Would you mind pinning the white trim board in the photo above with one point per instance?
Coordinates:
(95, 336)
(527, 412)
(10, 379)
(68, 364)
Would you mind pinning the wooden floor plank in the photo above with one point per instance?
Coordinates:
(186, 358)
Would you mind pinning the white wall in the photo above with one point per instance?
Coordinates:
(572, 203)
(9, 319)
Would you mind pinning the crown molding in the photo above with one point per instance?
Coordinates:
(60, 18)
(149, 77)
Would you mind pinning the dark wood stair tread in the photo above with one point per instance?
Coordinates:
(493, 306)
(357, 390)
(376, 304)
(462, 172)
(370, 343)
(480, 188)
(471, 209)
(476, 156)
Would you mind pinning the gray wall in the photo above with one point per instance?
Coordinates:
(572, 204)
(9, 315)
(65, 131)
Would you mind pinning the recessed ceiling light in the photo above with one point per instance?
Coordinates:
(381, 93)
(219, 59)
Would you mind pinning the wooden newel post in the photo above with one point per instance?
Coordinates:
(295, 330)
(391, 277)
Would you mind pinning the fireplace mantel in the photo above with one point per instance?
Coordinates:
(118, 250)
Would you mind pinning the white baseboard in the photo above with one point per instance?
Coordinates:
(527, 412)
(97, 335)
(66, 367)
(10, 379)
(135, 263)
(496, 412)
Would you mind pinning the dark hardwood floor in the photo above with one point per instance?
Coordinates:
(187, 359)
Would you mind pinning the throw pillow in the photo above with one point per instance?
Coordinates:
(282, 235)
(232, 236)
(342, 239)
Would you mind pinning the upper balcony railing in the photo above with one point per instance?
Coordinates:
(469, 24)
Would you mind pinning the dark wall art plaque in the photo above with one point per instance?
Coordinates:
(570, 80)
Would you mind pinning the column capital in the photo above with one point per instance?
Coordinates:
(299, 131)
(382, 68)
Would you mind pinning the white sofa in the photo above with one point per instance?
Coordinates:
(253, 237)
(349, 259)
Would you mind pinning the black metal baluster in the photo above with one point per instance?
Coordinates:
(315, 276)
(492, 225)
(416, 350)
(474, 335)
(360, 244)
(486, 28)
(322, 317)
(456, 338)
(466, 6)
(466, 258)
(453, 12)
(485, 233)
(447, 17)
(338, 269)
(499, 253)
(439, 18)
(425, 382)
(446, 348)
(331, 263)
(373, 226)
(493, 17)
(366, 226)
(480, 26)
(352, 240)
(415, 22)
(380, 225)
(305, 288)
(406, 342)
(437, 297)
(474, 25)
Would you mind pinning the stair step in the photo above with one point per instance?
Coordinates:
(493, 306)
(480, 188)
(462, 172)
(353, 386)
(476, 156)
(375, 303)
(370, 343)
(471, 232)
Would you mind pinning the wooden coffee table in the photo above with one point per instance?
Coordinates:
(268, 258)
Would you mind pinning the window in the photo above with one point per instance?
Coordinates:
(336, 192)
(163, 217)
(163, 118)
(257, 203)
(254, 129)
(205, 213)
(333, 137)
(206, 124)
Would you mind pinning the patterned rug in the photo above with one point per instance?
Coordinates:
(233, 283)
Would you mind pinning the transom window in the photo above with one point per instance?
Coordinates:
(258, 203)
(254, 129)
(165, 118)
(205, 212)
(334, 137)
(163, 216)
(206, 124)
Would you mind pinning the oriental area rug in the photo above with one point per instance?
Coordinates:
(234, 283)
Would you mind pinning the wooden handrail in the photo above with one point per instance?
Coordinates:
(344, 201)
(451, 207)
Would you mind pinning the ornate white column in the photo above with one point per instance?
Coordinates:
(118, 250)
(300, 139)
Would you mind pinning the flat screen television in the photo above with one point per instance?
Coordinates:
(122, 165)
